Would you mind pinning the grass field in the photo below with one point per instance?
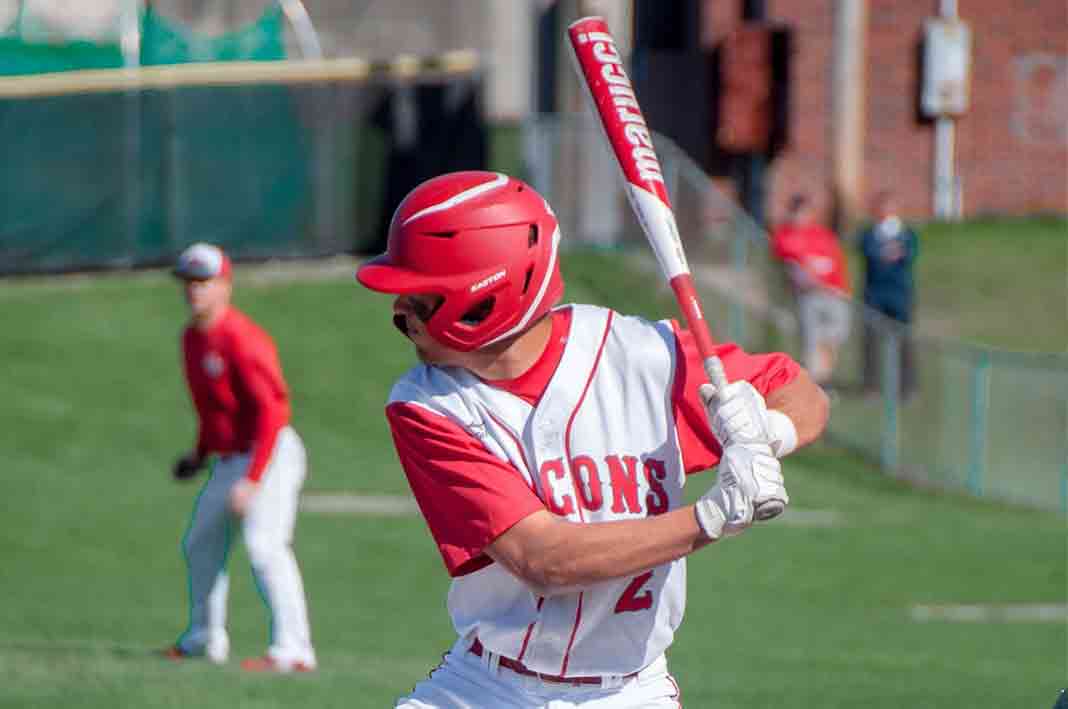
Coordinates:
(813, 614)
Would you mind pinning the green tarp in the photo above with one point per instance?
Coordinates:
(127, 178)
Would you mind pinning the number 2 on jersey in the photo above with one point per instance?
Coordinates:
(631, 600)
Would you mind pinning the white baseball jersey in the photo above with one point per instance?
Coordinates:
(603, 440)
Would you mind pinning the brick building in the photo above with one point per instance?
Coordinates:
(1011, 145)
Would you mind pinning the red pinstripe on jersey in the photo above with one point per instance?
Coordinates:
(574, 482)
(530, 629)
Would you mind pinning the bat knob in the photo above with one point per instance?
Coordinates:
(769, 509)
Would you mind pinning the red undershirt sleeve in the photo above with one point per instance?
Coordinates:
(202, 448)
(270, 410)
(766, 372)
(467, 495)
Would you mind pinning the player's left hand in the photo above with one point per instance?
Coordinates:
(187, 467)
(737, 414)
(241, 495)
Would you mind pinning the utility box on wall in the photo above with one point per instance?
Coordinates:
(947, 47)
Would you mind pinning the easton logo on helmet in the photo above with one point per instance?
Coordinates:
(489, 280)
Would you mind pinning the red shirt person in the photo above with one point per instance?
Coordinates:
(236, 383)
(242, 404)
(816, 265)
(811, 251)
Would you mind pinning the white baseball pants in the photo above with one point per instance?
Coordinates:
(465, 681)
(268, 532)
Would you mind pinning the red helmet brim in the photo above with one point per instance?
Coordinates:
(380, 275)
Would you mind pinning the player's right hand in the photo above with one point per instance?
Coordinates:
(187, 467)
(737, 413)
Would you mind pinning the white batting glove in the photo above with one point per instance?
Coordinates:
(739, 416)
(736, 414)
(724, 511)
(758, 472)
(750, 483)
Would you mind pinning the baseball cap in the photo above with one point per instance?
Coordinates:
(202, 261)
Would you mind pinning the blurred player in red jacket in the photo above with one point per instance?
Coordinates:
(242, 403)
(817, 269)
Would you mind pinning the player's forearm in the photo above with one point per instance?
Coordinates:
(268, 424)
(553, 556)
(805, 403)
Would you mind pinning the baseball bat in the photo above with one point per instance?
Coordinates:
(600, 66)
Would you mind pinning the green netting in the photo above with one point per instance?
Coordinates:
(18, 57)
(165, 41)
(121, 178)
(62, 141)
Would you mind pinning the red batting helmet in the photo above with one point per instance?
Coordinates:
(485, 242)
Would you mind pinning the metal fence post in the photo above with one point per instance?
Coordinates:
(132, 101)
(980, 412)
(739, 261)
(1064, 487)
(324, 145)
(1064, 468)
(891, 375)
(171, 183)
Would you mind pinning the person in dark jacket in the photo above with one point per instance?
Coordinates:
(889, 247)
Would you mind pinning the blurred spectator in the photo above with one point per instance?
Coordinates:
(816, 267)
(889, 247)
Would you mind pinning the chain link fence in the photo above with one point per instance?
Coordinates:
(987, 422)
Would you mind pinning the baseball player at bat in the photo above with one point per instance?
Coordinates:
(547, 447)
(242, 403)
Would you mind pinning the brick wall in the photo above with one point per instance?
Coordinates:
(1012, 145)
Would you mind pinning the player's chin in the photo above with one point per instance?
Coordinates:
(425, 351)
(432, 354)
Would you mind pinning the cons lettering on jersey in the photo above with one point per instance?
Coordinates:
(622, 485)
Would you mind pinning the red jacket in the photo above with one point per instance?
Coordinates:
(236, 383)
(816, 255)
